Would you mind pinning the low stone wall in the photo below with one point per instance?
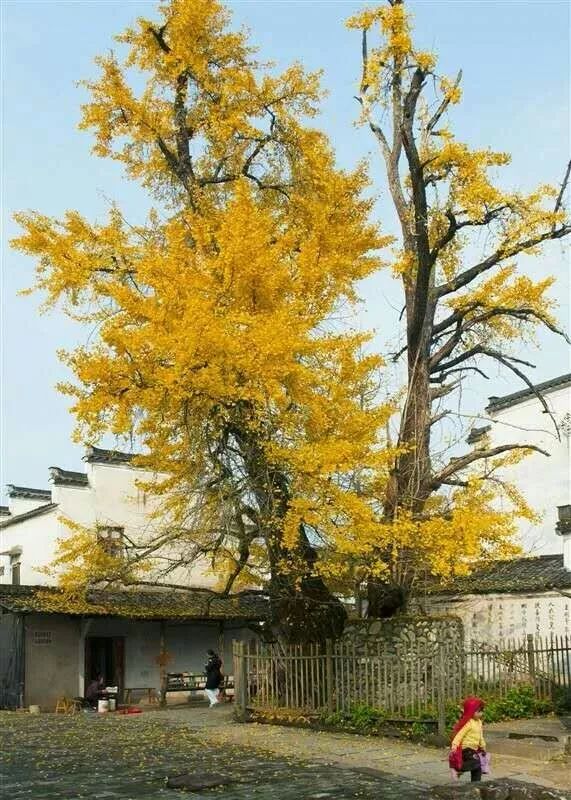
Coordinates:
(407, 634)
(404, 665)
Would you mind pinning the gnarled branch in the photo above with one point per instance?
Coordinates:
(466, 277)
(456, 465)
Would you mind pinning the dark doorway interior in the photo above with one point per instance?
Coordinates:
(105, 655)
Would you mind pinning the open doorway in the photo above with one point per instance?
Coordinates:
(105, 655)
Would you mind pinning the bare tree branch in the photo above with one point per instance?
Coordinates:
(467, 368)
(466, 277)
(456, 465)
(160, 37)
(455, 226)
(559, 200)
(443, 106)
(480, 349)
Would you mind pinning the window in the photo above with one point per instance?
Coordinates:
(42, 637)
(111, 540)
(2, 571)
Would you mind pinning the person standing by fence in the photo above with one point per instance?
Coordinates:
(213, 671)
(468, 750)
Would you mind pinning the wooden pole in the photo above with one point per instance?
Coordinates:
(329, 674)
(530, 657)
(240, 681)
(441, 689)
(163, 663)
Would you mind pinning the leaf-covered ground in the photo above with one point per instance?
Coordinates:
(111, 756)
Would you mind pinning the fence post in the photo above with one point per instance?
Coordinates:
(241, 679)
(163, 659)
(329, 671)
(530, 656)
(441, 692)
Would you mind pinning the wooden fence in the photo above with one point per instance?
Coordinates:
(541, 662)
(409, 685)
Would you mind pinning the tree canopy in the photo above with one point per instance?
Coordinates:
(221, 345)
(460, 311)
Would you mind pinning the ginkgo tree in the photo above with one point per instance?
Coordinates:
(221, 342)
(217, 345)
(462, 312)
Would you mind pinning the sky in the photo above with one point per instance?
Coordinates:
(515, 61)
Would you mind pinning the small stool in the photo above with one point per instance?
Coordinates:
(62, 705)
(73, 706)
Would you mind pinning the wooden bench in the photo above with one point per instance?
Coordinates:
(195, 682)
(150, 691)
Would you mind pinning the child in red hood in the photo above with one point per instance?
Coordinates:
(468, 740)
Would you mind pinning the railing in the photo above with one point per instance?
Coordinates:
(411, 684)
(541, 662)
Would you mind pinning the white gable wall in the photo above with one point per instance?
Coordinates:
(112, 498)
(36, 537)
(545, 482)
(19, 505)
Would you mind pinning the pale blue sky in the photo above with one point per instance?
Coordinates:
(515, 58)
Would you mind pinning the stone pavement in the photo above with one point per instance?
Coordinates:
(113, 757)
(414, 762)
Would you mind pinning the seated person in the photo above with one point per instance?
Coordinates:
(94, 689)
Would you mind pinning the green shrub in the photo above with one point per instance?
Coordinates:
(562, 700)
(364, 718)
(518, 703)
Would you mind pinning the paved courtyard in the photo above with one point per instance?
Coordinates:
(107, 757)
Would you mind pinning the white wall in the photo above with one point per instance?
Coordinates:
(496, 617)
(111, 498)
(37, 537)
(19, 505)
(544, 481)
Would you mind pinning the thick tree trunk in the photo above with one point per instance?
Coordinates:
(409, 486)
(303, 609)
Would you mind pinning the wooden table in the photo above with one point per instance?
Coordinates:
(150, 691)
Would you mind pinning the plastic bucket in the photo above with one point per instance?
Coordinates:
(112, 704)
(103, 706)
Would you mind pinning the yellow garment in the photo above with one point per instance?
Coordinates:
(471, 735)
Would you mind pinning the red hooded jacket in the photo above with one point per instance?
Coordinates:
(471, 706)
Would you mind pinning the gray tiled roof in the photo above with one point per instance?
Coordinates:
(28, 493)
(155, 604)
(97, 455)
(34, 512)
(497, 403)
(529, 574)
(66, 477)
(478, 433)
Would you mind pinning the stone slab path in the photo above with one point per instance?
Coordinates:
(112, 757)
(411, 761)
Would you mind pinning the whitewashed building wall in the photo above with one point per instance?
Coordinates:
(494, 618)
(545, 482)
(110, 498)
